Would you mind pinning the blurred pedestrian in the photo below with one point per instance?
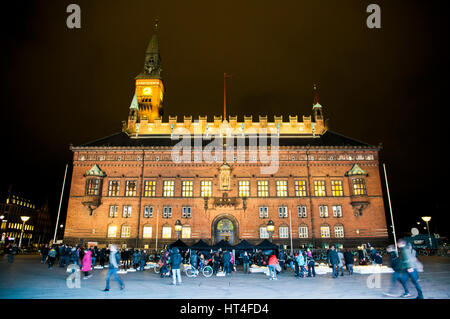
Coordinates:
(245, 262)
(87, 264)
(273, 262)
(114, 261)
(333, 260)
(395, 264)
(311, 264)
(44, 253)
(175, 261)
(341, 262)
(51, 257)
(409, 268)
(348, 257)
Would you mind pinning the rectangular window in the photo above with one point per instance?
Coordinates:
(263, 212)
(282, 211)
(325, 232)
(113, 211)
(186, 212)
(168, 188)
(319, 188)
(339, 231)
(186, 232)
(282, 188)
(187, 188)
(205, 188)
(337, 188)
(301, 211)
(130, 188)
(150, 188)
(167, 211)
(284, 232)
(323, 211)
(359, 186)
(303, 232)
(167, 232)
(148, 211)
(263, 188)
(300, 188)
(263, 233)
(125, 231)
(92, 186)
(112, 231)
(337, 211)
(113, 188)
(244, 188)
(126, 211)
(147, 232)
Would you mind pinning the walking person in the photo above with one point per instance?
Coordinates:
(61, 253)
(102, 256)
(395, 264)
(94, 252)
(227, 262)
(301, 264)
(114, 261)
(281, 259)
(44, 253)
(245, 262)
(136, 259)
(409, 268)
(216, 262)
(296, 265)
(51, 257)
(143, 260)
(273, 261)
(348, 257)
(333, 259)
(311, 264)
(341, 262)
(74, 256)
(175, 259)
(87, 264)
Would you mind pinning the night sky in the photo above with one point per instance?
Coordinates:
(63, 86)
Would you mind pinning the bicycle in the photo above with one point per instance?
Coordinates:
(206, 271)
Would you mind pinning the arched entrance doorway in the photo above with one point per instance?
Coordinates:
(225, 227)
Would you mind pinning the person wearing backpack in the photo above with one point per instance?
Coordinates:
(51, 257)
(397, 275)
(114, 261)
(175, 259)
(311, 264)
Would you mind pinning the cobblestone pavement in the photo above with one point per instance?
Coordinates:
(27, 278)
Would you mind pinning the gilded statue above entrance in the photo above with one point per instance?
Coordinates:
(225, 177)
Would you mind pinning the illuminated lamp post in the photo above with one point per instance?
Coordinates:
(426, 219)
(24, 220)
(270, 228)
(178, 228)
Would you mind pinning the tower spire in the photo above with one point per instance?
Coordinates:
(152, 65)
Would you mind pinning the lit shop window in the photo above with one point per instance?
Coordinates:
(325, 231)
(336, 188)
(150, 188)
(303, 232)
(300, 188)
(263, 188)
(130, 188)
(244, 188)
(282, 188)
(205, 188)
(168, 188)
(319, 188)
(359, 186)
(113, 188)
(187, 188)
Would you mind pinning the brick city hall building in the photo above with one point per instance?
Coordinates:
(133, 187)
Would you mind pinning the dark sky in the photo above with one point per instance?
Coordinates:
(63, 86)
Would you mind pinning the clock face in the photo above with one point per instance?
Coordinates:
(147, 91)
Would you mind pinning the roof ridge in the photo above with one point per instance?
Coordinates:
(350, 138)
(102, 138)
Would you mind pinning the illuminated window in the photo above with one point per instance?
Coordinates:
(336, 188)
(359, 186)
(186, 188)
(168, 188)
(147, 232)
(319, 188)
(282, 211)
(263, 233)
(339, 231)
(282, 188)
(148, 211)
(325, 231)
(126, 211)
(167, 211)
(323, 211)
(303, 232)
(301, 211)
(337, 211)
(244, 188)
(125, 233)
(284, 232)
(300, 188)
(263, 212)
(113, 188)
(186, 212)
(112, 231)
(205, 188)
(130, 188)
(113, 211)
(263, 188)
(92, 186)
(150, 188)
(186, 231)
(167, 232)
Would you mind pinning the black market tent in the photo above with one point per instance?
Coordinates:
(266, 245)
(223, 244)
(179, 244)
(201, 245)
(244, 245)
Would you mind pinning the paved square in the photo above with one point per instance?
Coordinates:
(27, 278)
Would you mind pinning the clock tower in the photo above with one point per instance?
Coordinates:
(149, 85)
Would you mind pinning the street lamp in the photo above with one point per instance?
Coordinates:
(24, 220)
(426, 219)
(270, 228)
(178, 228)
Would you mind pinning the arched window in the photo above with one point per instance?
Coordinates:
(147, 231)
(325, 231)
(125, 232)
(303, 231)
(112, 231)
(186, 231)
(339, 231)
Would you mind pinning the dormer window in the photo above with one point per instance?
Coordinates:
(92, 186)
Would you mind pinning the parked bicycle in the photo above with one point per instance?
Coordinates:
(206, 271)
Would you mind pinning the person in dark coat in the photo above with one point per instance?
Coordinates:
(216, 262)
(333, 259)
(143, 260)
(245, 262)
(102, 256)
(281, 259)
(227, 262)
(175, 260)
(395, 264)
(44, 253)
(348, 257)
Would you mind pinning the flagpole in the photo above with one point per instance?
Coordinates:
(390, 207)
(60, 201)
(290, 230)
(157, 216)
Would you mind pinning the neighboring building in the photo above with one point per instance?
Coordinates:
(37, 229)
(129, 188)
